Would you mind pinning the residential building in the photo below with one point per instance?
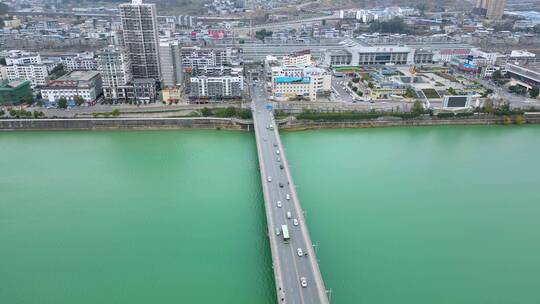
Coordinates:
(18, 57)
(300, 58)
(15, 92)
(144, 90)
(491, 9)
(86, 84)
(139, 28)
(171, 64)
(216, 87)
(36, 73)
(79, 62)
(195, 57)
(114, 66)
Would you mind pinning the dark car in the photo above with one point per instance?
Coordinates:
(281, 166)
(281, 185)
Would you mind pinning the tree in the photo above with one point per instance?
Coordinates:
(205, 112)
(356, 80)
(115, 112)
(418, 107)
(78, 100)
(370, 85)
(409, 93)
(488, 106)
(451, 91)
(263, 33)
(519, 120)
(497, 75)
(534, 92)
(395, 25)
(62, 103)
(2, 113)
(507, 120)
(355, 89)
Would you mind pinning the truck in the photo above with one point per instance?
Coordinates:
(285, 232)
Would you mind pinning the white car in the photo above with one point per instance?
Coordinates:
(277, 152)
(269, 179)
(303, 282)
(279, 204)
(295, 222)
(299, 251)
(289, 215)
(288, 196)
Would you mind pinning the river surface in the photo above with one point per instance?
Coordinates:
(400, 215)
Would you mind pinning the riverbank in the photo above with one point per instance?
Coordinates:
(214, 123)
(300, 125)
(209, 123)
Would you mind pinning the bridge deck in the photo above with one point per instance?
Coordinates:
(289, 266)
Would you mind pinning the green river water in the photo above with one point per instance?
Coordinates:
(400, 215)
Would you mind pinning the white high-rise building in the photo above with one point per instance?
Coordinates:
(114, 66)
(139, 25)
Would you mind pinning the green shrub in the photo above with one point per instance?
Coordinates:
(445, 115)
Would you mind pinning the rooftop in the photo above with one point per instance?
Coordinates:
(79, 76)
(285, 79)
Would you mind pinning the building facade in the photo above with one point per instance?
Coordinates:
(216, 87)
(196, 57)
(114, 66)
(85, 84)
(491, 9)
(171, 64)
(36, 73)
(79, 62)
(139, 28)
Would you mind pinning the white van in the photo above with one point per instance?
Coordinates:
(289, 214)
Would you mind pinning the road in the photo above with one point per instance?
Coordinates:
(288, 266)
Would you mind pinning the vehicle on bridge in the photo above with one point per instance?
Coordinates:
(285, 231)
(303, 282)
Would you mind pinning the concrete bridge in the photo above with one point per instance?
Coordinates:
(296, 271)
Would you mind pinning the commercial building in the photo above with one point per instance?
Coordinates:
(14, 92)
(139, 28)
(79, 62)
(171, 64)
(293, 82)
(114, 66)
(528, 74)
(85, 84)
(491, 9)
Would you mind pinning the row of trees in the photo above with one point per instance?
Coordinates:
(227, 112)
(23, 114)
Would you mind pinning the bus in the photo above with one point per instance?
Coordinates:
(285, 231)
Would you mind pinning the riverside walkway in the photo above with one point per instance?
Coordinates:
(296, 271)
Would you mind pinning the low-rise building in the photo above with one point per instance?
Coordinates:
(85, 84)
(15, 92)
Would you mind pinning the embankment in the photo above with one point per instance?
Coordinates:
(124, 123)
(299, 125)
